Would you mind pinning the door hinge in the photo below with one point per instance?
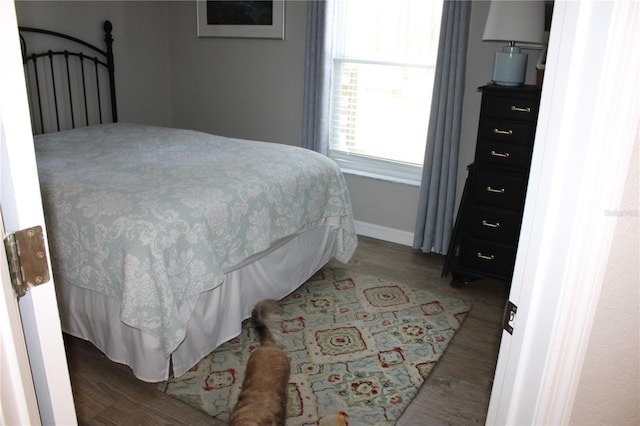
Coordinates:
(27, 258)
(509, 316)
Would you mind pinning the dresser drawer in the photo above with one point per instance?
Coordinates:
(506, 131)
(487, 257)
(498, 226)
(498, 190)
(510, 107)
(490, 214)
(504, 154)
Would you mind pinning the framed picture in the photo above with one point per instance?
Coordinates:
(241, 19)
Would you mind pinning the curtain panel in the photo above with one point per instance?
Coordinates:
(436, 206)
(317, 77)
(435, 219)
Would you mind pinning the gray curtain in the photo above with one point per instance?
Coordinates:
(315, 118)
(435, 221)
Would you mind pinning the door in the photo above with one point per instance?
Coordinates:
(18, 405)
(589, 115)
(21, 208)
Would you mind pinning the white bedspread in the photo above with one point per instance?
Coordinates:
(153, 216)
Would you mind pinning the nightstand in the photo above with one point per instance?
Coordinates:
(485, 236)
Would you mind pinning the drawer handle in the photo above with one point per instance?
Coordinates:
(500, 154)
(503, 132)
(518, 109)
(485, 257)
(497, 191)
(491, 225)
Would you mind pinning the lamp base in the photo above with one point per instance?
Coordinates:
(509, 67)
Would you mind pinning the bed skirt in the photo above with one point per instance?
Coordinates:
(217, 314)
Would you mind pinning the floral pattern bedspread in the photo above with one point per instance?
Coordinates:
(153, 216)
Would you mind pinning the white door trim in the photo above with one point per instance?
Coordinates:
(22, 208)
(18, 404)
(588, 119)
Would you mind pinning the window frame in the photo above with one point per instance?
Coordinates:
(364, 165)
(377, 168)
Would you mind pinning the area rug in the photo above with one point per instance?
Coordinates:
(360, 348)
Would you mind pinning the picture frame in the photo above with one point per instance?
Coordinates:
(241, 19)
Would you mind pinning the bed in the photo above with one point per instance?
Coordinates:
(161, 239)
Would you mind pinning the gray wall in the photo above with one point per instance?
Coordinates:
(141, 43)
(246, 88)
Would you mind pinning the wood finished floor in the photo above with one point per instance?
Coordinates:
(456, 393)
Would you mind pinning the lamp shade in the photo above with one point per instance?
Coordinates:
(515, 21)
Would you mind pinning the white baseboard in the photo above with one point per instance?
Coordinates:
(384, 233)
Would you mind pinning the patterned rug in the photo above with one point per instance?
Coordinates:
(360, 348)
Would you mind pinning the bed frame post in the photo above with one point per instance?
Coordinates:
(102, 61)
(108, 27)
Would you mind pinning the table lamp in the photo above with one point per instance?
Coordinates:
(513, 22)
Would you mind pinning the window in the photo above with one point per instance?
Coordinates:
(382, 78)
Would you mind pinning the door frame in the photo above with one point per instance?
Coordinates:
(22, 208)
(589, 117)
(18, 404)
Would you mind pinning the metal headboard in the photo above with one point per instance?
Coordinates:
(67, 79)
